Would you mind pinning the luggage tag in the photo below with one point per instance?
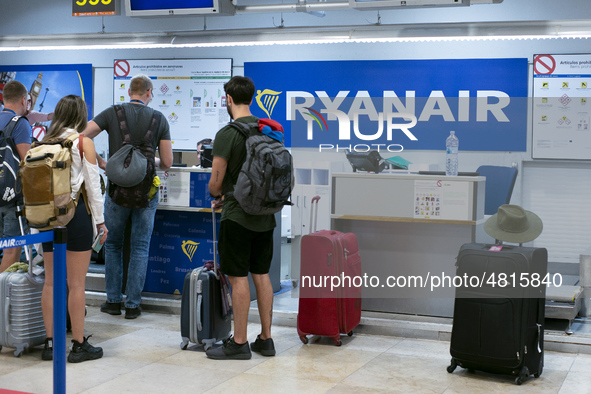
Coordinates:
(497, 247)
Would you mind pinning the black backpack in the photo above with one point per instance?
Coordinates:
(266, 179)
(138, 195)
(10, 187)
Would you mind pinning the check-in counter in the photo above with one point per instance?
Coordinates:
(183, 232)
(407, 225)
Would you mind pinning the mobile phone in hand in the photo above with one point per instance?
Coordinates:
(96, 245)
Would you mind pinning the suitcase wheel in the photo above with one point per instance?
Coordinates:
(523, 375)
(184, 345)
(207, 346)
(350, 333)
(452, 366)
(304, 339)
(338, 342)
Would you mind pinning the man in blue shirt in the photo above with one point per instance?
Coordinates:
(139, 117)
(15, 104)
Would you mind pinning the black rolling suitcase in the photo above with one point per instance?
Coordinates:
(206, 304)
(500, 329)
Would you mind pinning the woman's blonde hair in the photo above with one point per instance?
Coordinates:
(70, 113)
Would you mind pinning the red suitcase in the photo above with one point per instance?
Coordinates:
(330, 283)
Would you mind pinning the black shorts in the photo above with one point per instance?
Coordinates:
(243, 251)
(80, 231)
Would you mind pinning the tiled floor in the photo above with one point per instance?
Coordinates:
(144, 356)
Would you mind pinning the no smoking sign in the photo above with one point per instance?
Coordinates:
(544, 64)
(121, 68)
(39, 132)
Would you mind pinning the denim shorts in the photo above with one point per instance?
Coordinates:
(243, 251)
(9, 226)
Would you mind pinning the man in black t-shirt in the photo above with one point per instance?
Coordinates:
(138, 117)
(245, 241)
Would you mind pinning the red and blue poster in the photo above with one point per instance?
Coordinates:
(47, 84)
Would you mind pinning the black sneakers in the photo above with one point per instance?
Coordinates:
(84, 351)
(263, 347)
(47, 354)
(112, 308)
(230, 350)
(132, 313)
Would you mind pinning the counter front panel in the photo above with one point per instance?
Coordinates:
(183, 232)
(408, 227)
(180, 242)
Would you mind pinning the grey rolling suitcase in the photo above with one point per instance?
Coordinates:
(206, 313)
(21, 318)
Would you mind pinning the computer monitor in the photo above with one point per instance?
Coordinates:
(207, 156)
(143, 8)
(366, 161)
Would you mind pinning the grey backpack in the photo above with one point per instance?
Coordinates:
(266, 178)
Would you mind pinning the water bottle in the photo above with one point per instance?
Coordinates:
(451, 154)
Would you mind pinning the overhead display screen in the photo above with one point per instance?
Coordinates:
(178, 7)
(144, 5)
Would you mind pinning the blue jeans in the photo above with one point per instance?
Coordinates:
(142, 222)
(9, 226)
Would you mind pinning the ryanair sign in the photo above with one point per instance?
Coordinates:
(266, 100)
(189, 248)
(396, 105)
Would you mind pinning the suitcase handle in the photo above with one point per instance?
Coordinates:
(22, 227)
(314, 214)
(199, 302)
(28, 248)
(6, 309)
(215, 243)
(539, 340)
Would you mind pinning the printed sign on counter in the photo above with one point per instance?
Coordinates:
(441, 199)
(184, 189)
(174, 188)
